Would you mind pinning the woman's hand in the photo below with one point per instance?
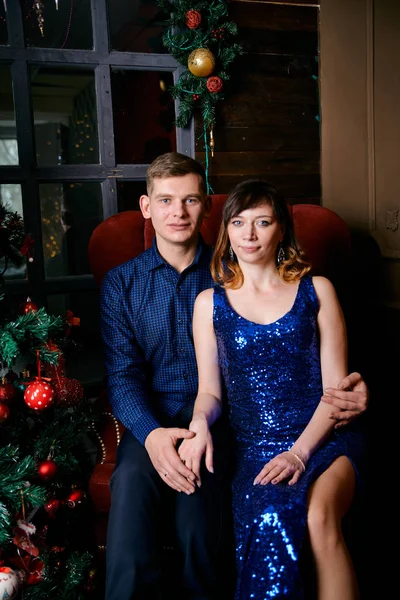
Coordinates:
(192, 451)
(283, 466)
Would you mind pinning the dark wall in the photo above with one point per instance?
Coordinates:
(268, 125)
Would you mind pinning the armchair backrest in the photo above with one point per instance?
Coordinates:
(321, 233)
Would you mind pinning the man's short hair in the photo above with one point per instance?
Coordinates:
(174, 164)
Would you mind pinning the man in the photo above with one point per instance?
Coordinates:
(146, 313)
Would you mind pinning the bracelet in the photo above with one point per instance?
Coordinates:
(298, 458)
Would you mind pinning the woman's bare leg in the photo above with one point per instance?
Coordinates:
(329, 499)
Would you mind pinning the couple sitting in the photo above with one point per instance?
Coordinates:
(269, 339)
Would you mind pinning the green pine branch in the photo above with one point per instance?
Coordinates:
(28, 333)
(215, 33)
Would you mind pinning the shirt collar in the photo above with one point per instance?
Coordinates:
(157, 260)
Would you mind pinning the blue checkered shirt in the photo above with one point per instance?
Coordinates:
(146, 323)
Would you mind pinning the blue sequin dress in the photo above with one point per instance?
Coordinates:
(273, 381)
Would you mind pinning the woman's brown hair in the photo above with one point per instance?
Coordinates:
(225, 269)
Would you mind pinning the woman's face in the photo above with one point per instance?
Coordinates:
(254, 234)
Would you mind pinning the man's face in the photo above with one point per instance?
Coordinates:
(176, 207)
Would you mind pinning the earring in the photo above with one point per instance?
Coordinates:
(231, 254)
(281, 255)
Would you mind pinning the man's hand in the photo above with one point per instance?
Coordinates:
(161, 447)
(351, 397)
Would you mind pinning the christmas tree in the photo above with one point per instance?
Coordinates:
(45, 425)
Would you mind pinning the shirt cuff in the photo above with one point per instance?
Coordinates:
(143, 426)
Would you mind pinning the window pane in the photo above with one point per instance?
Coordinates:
(70, 212)
(11, 198)
(8, 134)
(84, 358)
(128, 194)
(137, 28)
(64, 105)
(3, 25)
(144, 115)
(66, 24)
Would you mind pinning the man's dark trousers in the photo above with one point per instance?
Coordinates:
(144, 510)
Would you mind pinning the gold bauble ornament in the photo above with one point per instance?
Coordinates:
(201, 62)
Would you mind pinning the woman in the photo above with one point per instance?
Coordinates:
(274, 337)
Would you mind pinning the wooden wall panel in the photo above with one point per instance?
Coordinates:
(268, 125)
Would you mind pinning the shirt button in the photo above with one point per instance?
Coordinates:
(180, 321)
(182, 350)
(185, 376)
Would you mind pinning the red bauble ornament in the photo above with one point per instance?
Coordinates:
(4, 412)
(76, 498)
(214, 84)
(28, 306)
(193, 19)
(7, 392)
(39, 395)
(47, 469)
(52, 506)
(68, 391)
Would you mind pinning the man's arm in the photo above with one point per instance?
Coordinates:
(128, 389)
(351, 396)
(126, 368)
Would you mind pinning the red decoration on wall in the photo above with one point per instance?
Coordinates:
(214, 84)
(193, 19)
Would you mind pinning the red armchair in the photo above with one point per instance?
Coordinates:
(322, 234)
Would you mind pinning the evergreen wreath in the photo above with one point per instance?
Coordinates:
(200, 37)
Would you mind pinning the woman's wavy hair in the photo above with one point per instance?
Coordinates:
(225, 269)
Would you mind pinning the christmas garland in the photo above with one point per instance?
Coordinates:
(200, 37)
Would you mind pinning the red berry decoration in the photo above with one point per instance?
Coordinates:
(214, 84)
(47, 469)
(4, 412)
(193, 19)
(196, 97)
(39, 395)
(76, 498)
(7, 392)
(27, 307)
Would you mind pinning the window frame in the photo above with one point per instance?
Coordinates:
(100, 60)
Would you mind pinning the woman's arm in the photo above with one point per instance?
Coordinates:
(333, 354)
(208, 403)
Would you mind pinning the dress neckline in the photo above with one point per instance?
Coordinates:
(286, 314)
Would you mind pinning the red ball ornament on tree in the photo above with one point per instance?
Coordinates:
(47, 469)
(28, 306)
(52, 506)
(7, 392)
(76, 498)
(193, 19)
(39, 395)
(4, 412)
(214, 84)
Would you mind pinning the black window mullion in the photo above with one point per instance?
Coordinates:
(100, 27)
(184, 135)
(23, 115)
(105, 122)
(14, 24)
(110, 201)
(33, 226)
